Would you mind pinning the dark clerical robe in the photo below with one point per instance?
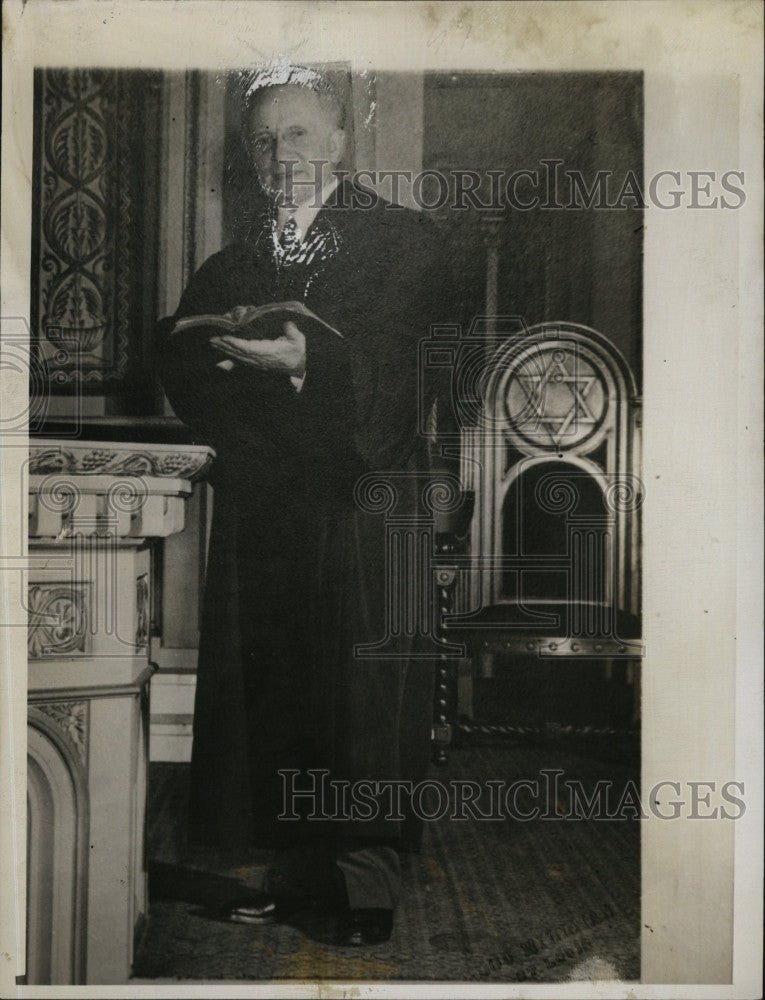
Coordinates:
(297, 569)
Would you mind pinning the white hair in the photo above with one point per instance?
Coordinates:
(285, 74)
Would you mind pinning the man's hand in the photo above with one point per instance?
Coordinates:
(286, 354)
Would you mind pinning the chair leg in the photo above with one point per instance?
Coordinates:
(442, 727)
(445, 689)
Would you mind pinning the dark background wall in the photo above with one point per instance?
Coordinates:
(581, 265)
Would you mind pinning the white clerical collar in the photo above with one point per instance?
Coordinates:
(306, 211)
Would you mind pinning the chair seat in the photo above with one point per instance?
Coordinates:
(549, 628)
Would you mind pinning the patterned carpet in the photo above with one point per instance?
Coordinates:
(505, 900)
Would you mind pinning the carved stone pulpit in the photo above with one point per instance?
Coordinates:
(95, 511)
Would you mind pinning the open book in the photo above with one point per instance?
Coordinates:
(265, 323)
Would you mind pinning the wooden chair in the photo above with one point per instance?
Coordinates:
(552, 567)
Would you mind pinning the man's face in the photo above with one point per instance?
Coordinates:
(292, 123)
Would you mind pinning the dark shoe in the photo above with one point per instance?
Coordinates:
(369, 926)
(256, 908)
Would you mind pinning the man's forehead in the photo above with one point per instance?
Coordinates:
(287, 99)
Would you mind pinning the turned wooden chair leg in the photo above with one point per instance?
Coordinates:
(445, 689)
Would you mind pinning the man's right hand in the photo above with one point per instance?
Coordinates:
(285, 354)
(239, 315)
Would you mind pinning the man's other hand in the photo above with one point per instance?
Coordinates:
(286, 354)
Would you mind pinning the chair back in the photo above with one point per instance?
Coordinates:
(553, 460)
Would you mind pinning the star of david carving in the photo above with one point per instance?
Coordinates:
(544, 399)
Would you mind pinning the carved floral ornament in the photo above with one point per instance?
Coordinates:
(119, 460)
(58, 619)
(82, 265)
(71, 717)
(94, 204)
(75, 223)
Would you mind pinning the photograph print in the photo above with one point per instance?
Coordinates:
(390, 621)
(339, 663)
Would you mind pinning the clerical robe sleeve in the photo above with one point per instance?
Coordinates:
(225, 407)
(188, 366)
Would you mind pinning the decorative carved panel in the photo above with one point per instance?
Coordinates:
(94, 249)
(58, 620)
(110, 491)
(143, 611)
(86, 459)
(71, 717)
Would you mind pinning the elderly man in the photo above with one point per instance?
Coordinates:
(297, 570)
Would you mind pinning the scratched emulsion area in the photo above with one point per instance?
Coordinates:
(495, 901)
